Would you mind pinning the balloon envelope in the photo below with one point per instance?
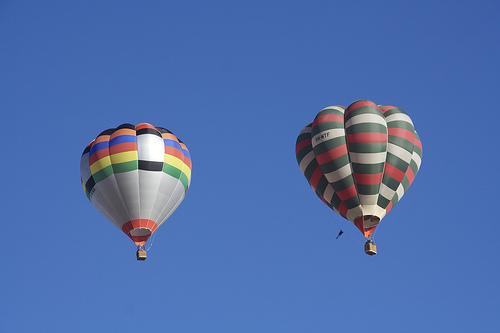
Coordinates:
(136, 176)
(360, 160)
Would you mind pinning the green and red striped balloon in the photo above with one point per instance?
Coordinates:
(136, 176)
(360, 160)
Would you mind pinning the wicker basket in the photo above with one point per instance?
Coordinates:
(370, 248)
(141, 255)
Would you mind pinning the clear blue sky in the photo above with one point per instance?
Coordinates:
(251, 248)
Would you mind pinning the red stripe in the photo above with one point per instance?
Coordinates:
(139, 224)
(417, 143)
(146, 125)
(101, 138)
(348, 193)
(387, 108)
(370, 230)
(368, 179)
(410, 175)
(371, 137)
(332, 154)
(302, 144)
(169, 136)
(123, 131)
(342, 209)
(359, 222)
(402, 133)
(97, 155)
(187, 161)
(394, 172)
(315, 177)
(123, 147)
(389, 207)
(358, 105)
(174, 152)
(327, 117)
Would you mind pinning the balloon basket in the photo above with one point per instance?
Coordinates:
(141, 255)
(370, 248)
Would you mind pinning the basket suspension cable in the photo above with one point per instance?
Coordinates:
(150, 241)
(347, 233)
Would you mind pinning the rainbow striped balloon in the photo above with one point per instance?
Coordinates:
(136, 176)
(360, 160)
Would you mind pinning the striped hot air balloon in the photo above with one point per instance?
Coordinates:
(136, 176)
(360, 161)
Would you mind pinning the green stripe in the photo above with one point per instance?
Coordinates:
(390, 182)
(304, 135)
(368, 169)
(335, 164)
(414, 167)
(302, 153)
(310, 170)
(367, 147)
(330, 111)
(366, 128)
(396, 162)
(325, 146)
(392, 111)
(400, 124)
(325, 126)
(125, 166)
(176, 173)
(363, 110)
(405, 183)
(103, 174)
(336, 202)
(322, 184)
(382, 202)
(344, 183)
(368, 189)
(352, 202)
(400, 142)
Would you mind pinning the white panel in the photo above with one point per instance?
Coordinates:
(368, 158)
(399, 117)
(327, 135)
(366, 118)
(367, 200)
(170, 195)
(128, 184)
(304, 163)
(402, 153)
(339, 174)
(150, 147)
(107, 199)
(149, 183)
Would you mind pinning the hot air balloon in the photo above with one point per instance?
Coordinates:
(136, 176)
(360, 161)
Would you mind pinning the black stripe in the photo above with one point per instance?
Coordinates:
(163, 130)
(109, 131)
(150, 166)
(87, 150)
(89, 185)
(126, 125)
(148, 131)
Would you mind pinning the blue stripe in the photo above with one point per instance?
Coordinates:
(186, 153)
(99, 146)
(122, 139)
(172, 143)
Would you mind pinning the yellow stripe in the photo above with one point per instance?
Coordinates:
(100, 164)
(179, 164)
(125, 156)
(187, 171)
